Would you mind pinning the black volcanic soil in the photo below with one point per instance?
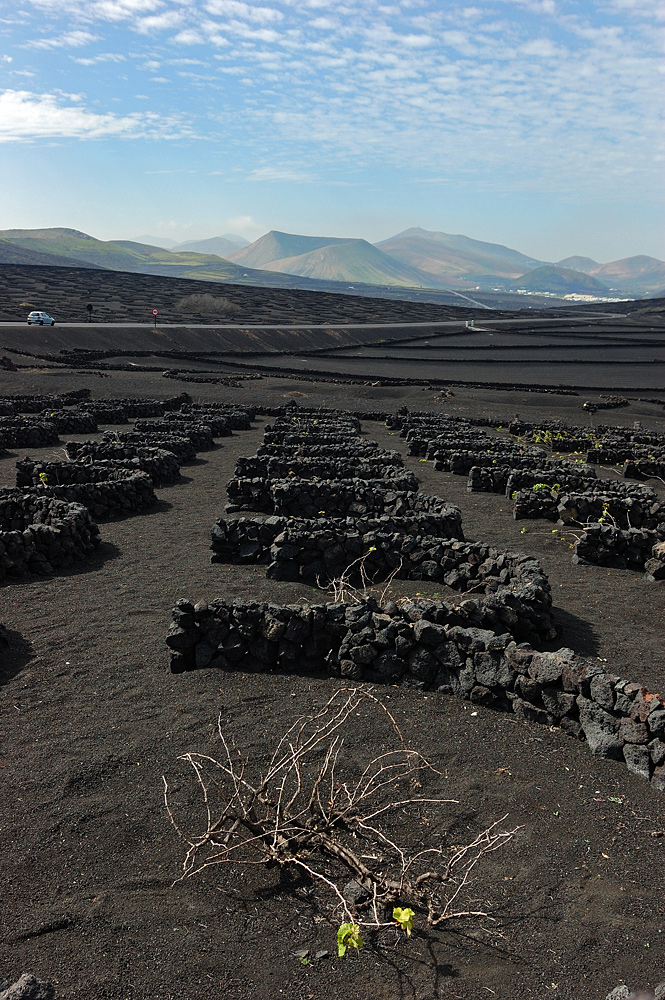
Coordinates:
(91, 719)
(121, 296)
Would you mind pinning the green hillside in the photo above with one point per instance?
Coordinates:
(13, 253)
(71, 247)
(352, 261)
(280, 246)
(560, 281)
(76, 246)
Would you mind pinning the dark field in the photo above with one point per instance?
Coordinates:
(614, 354)
(91, 719)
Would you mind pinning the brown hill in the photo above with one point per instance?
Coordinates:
(330, 259)
(456, 260)
(634, 275)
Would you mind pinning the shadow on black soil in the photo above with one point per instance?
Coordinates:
(575, 632)
(13, 657)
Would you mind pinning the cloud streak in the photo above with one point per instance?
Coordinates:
(25, 115)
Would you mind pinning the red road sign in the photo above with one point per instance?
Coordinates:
(155, 312)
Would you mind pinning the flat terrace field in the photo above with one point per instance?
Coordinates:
(583, 350)
(92, 719)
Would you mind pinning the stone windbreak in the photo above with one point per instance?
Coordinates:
(482, 642)
(420, 645)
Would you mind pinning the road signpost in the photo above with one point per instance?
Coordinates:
(155, 313)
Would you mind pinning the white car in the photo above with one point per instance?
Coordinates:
(40, 318)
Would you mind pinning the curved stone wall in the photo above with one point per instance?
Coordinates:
(418, 646)
(39, 534)
(308, 498)
(105, 498)
(27, 432)
(162, 466)
(250, 539)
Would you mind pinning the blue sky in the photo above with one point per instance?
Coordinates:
(534, 123)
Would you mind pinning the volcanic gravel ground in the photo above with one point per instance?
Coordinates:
(91, 719)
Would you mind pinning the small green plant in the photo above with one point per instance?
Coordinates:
(403, 917)
(553, 487)
(348, 936)
(43, 478)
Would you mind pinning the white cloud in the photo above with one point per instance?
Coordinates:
(245, 225)
(243, 11)
(113, 57)
(189, 36)
(542, 48)
(159, 22)
(71, 39)
(651, 10)
(279, 174)
(25, 115)
(546, 7)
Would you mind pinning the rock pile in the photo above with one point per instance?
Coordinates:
(201, 435)
(360, 450)
(624, 992)
(623, 504)
(307, 467)
(180, 445)
(605, 403)
(28, 987)
(74, 421)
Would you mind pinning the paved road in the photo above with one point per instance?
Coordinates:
(529, 321)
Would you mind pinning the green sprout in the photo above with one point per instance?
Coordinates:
(403, 917)
(348, 936)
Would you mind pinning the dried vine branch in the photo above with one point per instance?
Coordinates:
(308, 809)
(343, 589)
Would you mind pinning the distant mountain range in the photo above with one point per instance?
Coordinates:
(457, 260)
(329, 259)
(218, 244)
(426, 259)
(414, 259)
(71, 248)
